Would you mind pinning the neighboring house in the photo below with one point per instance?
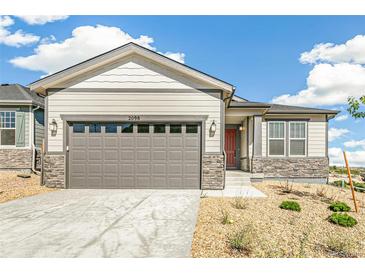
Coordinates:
(21, 127)
(132, 118)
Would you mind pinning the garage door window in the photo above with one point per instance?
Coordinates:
(159, 128)
(94, 128)
(143, 128)
(111, 128)
(175, 128)
(191, 128)
(127, 128)
(79, 128)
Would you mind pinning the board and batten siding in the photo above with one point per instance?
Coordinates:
(317, 127)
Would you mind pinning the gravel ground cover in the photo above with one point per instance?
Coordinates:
(13, 187)
(270, 231)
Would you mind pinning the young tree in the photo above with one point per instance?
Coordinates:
(354, 107)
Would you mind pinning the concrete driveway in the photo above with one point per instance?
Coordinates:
(100, 223)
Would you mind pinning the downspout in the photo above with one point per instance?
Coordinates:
(33, 145)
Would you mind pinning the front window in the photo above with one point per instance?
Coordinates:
(7, 128)
(297, 138)
(277, 138)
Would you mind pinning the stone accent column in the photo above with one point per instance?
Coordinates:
(54, 170)
(16, 159)
(257, 164)
(213, 171)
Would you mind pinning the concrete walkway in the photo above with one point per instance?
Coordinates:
(100, 223)
(235, 191)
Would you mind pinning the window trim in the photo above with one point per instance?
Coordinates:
(14, 128)
(305, 139)
(268, 138)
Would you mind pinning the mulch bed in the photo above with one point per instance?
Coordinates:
(13, 187)
(278, 232)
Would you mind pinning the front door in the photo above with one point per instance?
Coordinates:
(230, 147)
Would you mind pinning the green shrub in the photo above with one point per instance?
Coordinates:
(360, 187)
(243, 239)
(342, 219)
(339, 207)
(226, 219)
(290, 205)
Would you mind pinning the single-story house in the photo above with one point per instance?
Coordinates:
(132, 118)
(21, 128)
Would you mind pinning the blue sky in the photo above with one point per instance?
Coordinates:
(260, 55)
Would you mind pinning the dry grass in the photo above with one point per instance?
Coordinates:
(13, 187)
(278, 232)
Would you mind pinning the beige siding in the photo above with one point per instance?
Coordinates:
(173, 102)
(264, 138)
(317, 139)
(134, 73)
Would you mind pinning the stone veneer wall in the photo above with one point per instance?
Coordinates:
(213, 171)
(17, 159)
(54, 170)
(291, 167)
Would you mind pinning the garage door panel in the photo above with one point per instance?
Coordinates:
(95, 155)
(96, 142)
(111, 142)
(143, 142)
(175, 142)
(175, 155)
(126, 169)
(158, 169)
(126, 141)
(142, 154)
(159, 142)
(159, 155)
(127, 155)
(155, 159)
(110, 155)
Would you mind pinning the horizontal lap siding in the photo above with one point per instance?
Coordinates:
(317, 139)
(130, 103)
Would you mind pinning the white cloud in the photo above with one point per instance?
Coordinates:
(335, 133)
(351, 51)
(355, 158)
(177, 56)
(16, 39)
(41, 19)
(328, 84)
(338, 72)
(85, 42)
(353, 143)
(341, 118)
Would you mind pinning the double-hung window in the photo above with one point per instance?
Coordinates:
(297, 138)
(277, 138)
(7, 128)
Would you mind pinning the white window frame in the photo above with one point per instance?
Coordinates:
(1, 128)
(305, 139)
(269, 138)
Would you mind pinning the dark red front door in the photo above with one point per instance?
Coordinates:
(230, 147)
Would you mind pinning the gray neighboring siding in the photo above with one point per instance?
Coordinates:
(38, 127)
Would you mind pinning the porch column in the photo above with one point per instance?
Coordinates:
(257, 136)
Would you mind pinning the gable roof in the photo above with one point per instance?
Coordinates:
(121, 52)
(19, 95)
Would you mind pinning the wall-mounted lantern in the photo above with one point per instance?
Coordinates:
(213, 129)
(53, 127)
(242, 128)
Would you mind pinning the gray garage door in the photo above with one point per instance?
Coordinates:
(131, 155)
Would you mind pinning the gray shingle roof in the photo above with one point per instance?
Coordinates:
(281, 109)
(14, 93)
(275, 108)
